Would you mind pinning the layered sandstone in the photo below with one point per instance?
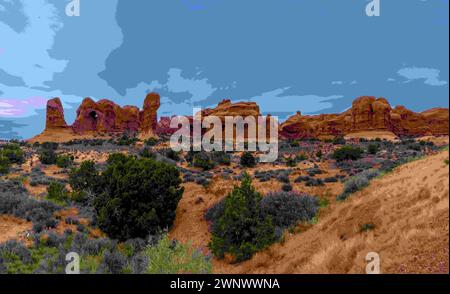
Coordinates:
(368, 114)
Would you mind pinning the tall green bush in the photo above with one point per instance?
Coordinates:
(242, 230)
(139, 197)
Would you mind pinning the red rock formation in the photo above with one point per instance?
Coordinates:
(149, 116)
(437, 119)
(368, 113)
(163, 126)
(226, 108)
(106, 117)
(55, 115)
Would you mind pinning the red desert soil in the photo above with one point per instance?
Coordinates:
(12, 228)
(409, 208)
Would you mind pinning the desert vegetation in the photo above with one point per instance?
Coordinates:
(130, 206)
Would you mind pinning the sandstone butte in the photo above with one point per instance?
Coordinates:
(105, 118)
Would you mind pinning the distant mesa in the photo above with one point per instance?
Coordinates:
(367, 114)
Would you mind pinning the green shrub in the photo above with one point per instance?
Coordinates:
(171, 154)
(302, 157)
(140, 197)
(367, 227)
(319, 154)
(338, 141)
(221, 157)
(126, 140)
(64, 161)
(57, 192)
(242, 230)
(84, 178)
(171, 257)
(248, 160)
(47, 156)
(13, 152)
(286, 187)
(151, 142)
(4, 165)
(347, 152)
(147, 153)
(373, 149)
(291, 162)
(202, 160)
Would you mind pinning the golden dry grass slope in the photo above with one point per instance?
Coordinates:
(409, 208)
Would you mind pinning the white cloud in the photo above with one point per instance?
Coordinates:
(431, 76)
(26, 49)
(278, 101)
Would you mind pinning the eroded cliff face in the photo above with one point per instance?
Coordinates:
(104, 118)
(366, 114)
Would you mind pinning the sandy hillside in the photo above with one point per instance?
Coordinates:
(409, 208)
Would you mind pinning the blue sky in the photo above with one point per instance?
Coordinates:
(313, 56)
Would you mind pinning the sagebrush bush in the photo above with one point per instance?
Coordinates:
(370, 174)
(242, 230)
(353, 185)
(314, 182)
(289, 208)
(331, 180)
(283, 178)
(15, 201)
(314, 171)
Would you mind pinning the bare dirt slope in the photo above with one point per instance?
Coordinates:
(12, 228)
(409, 208)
